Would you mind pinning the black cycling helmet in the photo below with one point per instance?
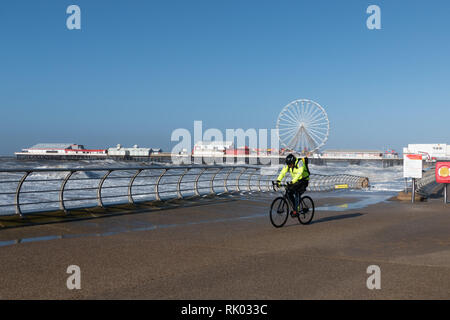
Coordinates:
(290, 159)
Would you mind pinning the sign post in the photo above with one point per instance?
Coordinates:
(412, 168)
(445, 193)
(443, 176)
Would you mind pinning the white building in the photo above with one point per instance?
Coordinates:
(211, 148)
(134, 151)
(352, 154)
(157, 150)
(52, 148)
(429, 151)
(60, 149)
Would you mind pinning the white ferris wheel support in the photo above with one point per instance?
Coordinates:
(303, 126)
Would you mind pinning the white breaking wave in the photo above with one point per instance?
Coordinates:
(380, 179)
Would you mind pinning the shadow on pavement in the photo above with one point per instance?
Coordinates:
(339, 217)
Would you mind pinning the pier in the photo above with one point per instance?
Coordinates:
(264, 160)
(166, 158)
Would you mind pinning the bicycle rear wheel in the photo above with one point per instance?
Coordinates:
(306, 213)
(279, 211)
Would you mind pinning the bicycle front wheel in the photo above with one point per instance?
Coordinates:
(279, 212)
(306, 213)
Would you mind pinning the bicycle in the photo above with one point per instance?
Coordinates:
(282, 206)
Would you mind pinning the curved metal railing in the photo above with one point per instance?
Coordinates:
(427, 184)
(47, 189)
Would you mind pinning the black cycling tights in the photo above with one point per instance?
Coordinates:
(299, 187)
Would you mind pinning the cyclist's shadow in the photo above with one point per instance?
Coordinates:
(331, 218)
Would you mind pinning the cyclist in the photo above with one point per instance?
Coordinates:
(300, 179)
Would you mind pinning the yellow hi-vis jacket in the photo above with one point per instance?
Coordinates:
(297, 172)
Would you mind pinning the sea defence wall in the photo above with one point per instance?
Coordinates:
(427, 185)
(27, 191)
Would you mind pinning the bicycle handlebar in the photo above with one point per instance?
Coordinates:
(276, 186)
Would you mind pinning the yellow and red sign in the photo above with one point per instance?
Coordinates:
(443, 172)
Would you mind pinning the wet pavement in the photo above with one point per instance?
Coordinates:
(324, 202)
(228, 249)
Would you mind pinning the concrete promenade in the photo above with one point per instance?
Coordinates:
(227, 249)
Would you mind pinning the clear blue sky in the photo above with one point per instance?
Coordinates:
(137, 70)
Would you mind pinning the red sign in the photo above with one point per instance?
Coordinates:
(414, 156)
(443, 172)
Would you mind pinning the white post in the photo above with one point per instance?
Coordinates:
(413, 190)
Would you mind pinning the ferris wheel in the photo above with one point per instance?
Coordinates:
(303, 126)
